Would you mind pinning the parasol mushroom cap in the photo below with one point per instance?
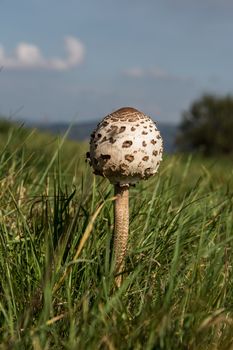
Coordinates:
(125, 147)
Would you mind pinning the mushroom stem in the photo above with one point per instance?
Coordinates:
(121, 229)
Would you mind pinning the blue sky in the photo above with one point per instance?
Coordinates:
(65, 60)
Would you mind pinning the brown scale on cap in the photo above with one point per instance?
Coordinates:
(104, 139)
(125, 114)
(129, 157)
(113, 129)
(122, 129)
(105, 156)
(127, 144)
(124, 166)
(112, 140)
(148, 171)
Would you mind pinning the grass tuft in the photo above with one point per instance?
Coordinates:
(56, 226)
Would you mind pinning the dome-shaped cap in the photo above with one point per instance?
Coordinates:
(125, 147)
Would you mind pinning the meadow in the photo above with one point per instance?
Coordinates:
(56, 274)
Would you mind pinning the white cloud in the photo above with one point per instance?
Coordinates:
(156, 73)
(135, 72)
(29, 56)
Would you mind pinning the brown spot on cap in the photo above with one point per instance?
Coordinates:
(113, 129)
(153, 142)
(158, 137)
(112, 140)
(125, 110)
(155, 153)
(99, 136)
(105, 156)
(148, 171)
(144, 133)
(129, 157)
(133, 128)
(144, 143)
(104, 139)
(145, 158)
(124, 166)
(113, 167)
(105, 123)
(122, 129)
(125, 114)
(127, 144)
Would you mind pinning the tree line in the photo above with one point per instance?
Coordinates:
(207, 126)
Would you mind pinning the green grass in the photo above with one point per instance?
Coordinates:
(56, 226)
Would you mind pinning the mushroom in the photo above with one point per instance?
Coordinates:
(125, 147)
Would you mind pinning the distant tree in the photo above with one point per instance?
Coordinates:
(207, 126)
